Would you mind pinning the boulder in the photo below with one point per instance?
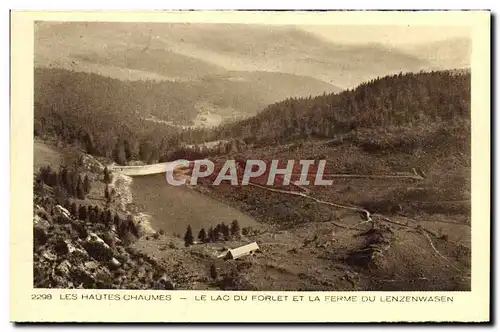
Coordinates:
(62, 212)
(114, 263)
(63, 269)
(76, 253)
(164, 283)
(41, 212)
(97, 248)
(103, 277)
(82, 277)
(91, 265)
(40, 221)
(48, 255)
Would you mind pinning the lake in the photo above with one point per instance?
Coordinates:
(174, 208)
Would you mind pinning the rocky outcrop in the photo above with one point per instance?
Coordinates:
(97, 248)
(69, 253)
(62, 213)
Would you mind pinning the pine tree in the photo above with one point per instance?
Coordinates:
(117, 221)
(107, 195)
(225, 231)
(107, 176)
(80, 193)
(188, 237)
(89, 144)
(109, 217)
(210, 235)
(82, 212)
(65, 182)
(122, 228)
(202, 235)
(52, 179)
(217, 233)
(73, 209)
(92, 216)
(213, 272)
(235, 228)
(102, 217)
(120, 156)
(59, 195)
(86, 185)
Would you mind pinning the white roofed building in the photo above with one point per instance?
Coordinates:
(247, 249)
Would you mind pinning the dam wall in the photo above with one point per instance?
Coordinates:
(142, 170)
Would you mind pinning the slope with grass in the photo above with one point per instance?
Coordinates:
(418, 237)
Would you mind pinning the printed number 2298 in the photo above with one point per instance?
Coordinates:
(41, 296)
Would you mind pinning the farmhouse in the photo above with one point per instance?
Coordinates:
(247, 249)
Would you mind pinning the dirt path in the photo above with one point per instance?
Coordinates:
(296, 193)
(368, 219)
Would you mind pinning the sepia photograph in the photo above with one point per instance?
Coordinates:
(244, 159)
(385, 110)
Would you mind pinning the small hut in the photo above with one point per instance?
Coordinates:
(247, 249)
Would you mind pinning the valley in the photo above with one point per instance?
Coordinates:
(119, 101)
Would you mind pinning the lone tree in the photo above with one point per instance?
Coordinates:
(80, 193)
(202, 235)
(107, 194)
(109, 218)
(86, 185)
(73, 209)
(188, 237)
(235, 228)
(117, 221)
(213, 272)
(107, 176)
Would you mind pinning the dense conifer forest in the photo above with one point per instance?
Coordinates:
(400, 112)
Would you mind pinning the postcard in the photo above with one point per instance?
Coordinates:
(260, 166)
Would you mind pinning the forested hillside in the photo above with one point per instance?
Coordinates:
(99, 114)
(130, 120)
(399, 111)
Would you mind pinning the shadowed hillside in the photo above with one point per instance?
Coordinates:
(418, 233)
(79, 105)
(394, 113)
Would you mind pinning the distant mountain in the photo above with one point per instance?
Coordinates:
(147, 52)
(446, 54)
(225, 72)
(178, 51)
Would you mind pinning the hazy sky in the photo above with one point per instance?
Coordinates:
(391, 35)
